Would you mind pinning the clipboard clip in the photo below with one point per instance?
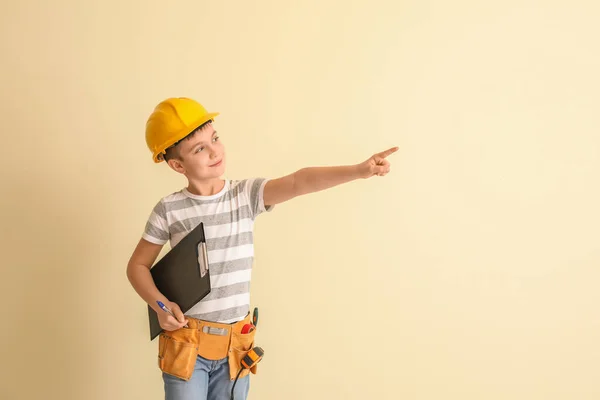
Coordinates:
(202, 253)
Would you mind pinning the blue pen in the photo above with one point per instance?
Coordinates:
(165, 308)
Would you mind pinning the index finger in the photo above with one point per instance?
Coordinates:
(386, 153)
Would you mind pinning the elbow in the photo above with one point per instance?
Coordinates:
(130, 272)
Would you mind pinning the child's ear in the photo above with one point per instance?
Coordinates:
(176, 165)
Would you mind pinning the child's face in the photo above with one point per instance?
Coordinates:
(202, 156)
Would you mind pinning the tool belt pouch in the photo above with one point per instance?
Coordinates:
(241, 344)
(177, 352)
(214, 339)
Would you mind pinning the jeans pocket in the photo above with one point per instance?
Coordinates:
(176, 358)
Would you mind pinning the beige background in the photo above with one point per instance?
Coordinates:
(470, 272)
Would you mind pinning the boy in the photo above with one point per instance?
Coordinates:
(200, 352)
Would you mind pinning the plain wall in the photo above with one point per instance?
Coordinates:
(470, 272)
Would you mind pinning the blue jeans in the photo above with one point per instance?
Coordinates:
(210, 381)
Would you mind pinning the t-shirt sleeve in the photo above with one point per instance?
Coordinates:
(253, 189)
(157, 228)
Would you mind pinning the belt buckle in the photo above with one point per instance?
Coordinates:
(215, 331)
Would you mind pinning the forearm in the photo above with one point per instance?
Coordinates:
(141, 280)
(314, 179)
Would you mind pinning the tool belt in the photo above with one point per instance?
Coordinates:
(177, 350)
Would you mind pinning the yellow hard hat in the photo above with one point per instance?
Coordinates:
(172, 120)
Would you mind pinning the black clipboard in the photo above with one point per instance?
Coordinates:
(178, 276)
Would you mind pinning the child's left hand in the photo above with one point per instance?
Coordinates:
(377, 164)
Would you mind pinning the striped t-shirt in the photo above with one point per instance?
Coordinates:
(228, 218)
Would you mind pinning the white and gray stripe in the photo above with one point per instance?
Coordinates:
(228, 218)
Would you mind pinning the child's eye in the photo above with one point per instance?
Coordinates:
(199, 149)
(215, 138)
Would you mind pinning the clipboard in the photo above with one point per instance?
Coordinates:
(182, 275)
